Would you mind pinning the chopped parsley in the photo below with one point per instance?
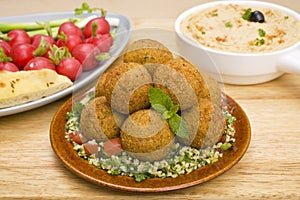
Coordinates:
(247, 14)
(259, 42)
(261, 32)
(228, 24)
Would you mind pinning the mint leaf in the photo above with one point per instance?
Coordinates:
(163, 104)
(174, 109)
(159, 108)
(179, 126)
(157, 96)
(169, 113)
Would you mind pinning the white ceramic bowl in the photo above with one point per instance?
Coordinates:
(239, 68)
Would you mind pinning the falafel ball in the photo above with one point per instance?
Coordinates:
(98, 121)
(127, 87)
(146, 136)
(147, 51)
(206, 124)
(182, 81)
(99, 89)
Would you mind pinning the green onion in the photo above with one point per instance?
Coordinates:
(47, 28)
(29, 26)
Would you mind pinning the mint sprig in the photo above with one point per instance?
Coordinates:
(163, 104)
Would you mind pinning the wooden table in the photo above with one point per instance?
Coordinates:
(269, 170)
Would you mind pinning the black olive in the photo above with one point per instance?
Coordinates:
(257, 16)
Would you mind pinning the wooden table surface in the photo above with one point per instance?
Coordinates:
(270, 169)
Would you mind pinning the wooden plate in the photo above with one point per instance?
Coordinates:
(64, 150)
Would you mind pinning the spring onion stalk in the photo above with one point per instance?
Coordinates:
(48, 29)
(34, 28)
(29, 26)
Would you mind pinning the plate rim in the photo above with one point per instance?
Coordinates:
(90, 75)
(218, 169)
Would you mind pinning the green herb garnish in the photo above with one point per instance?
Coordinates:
(215, 15)
(247, 14)
(163, 104)
(228, 24)
(286, 17)
(261, 32)
(259, 42)
(86, 8)
(78, 106)
(226, 146)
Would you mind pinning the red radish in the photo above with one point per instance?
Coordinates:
(69, 67)
(9, 66)
(86, 54)
(70, 41)
(102, 27)
(36, 40)
(21, 54)
(38, 63)
(42, 43)
(5, 46)
(69, 28)
(112, 146)
(102, 42)
(18, 36)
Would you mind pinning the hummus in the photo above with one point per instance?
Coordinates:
(222, 27)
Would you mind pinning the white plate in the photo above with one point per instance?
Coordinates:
(122, 37)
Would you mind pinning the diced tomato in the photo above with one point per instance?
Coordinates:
(90, 149)
(77, 138)
(112, 147)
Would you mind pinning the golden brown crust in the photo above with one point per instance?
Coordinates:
(147, 51)
(146, 136)
(206, 124)
(127, 87)
(98, 120)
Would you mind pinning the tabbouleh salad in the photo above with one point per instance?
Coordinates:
(181, 160)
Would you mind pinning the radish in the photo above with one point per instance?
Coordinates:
(8, 66)
(18, 37)
(69, 67)
(100, 24)
(86, 54)
(42, 44)
(21, 54)
(36, 40)
(69, 28)
(38, 63)
(5, 47)
(70, 41)
(102, 42)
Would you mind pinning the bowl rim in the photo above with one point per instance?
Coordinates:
(200, 7)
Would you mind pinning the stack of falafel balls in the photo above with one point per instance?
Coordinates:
(121, 106)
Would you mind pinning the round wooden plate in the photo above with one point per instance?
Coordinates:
(64, 150)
